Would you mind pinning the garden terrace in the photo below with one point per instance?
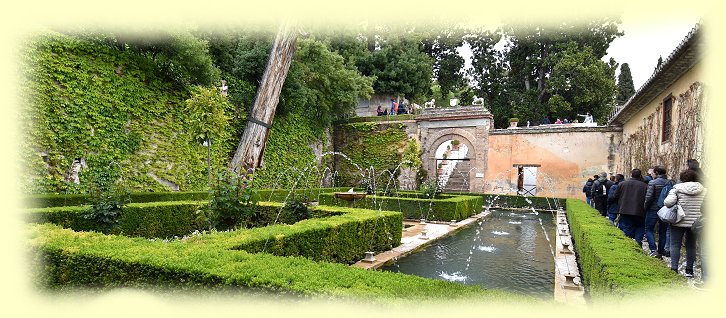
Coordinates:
(248, 259)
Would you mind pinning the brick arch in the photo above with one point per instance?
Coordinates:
(477, 149)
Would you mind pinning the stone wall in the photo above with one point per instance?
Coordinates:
(564, 157)
(643, 145)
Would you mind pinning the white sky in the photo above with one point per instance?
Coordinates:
(642, 44)
(639, 46)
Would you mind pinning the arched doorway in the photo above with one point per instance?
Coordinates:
(470, 126)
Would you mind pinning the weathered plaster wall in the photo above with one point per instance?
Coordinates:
(643, 146)
(566, 157)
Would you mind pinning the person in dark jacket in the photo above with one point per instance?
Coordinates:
(630, 195)
(655, 186)
(599, 193)
(587, 188)
(612, 202)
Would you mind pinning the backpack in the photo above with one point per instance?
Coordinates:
(664, 193)
(587, 187)
(599, 190)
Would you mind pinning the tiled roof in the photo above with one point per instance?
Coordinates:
(682, 59)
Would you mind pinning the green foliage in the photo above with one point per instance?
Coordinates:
(430, 189)
(544, 63)
(489, 69)
(380, 146)
(289, 161)
(55, 200)
(179, 55)
(297, 209)
(581, 83)
(232, 202)
(321, 86)
(626, 88)
(85, 100)
(400, 69)
(207, 118)
(150, 219)
(446, 208)
(441, 44)
(108, 196)
(612, 265)
(68, 260)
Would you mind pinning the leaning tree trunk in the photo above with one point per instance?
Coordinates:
(252, 144)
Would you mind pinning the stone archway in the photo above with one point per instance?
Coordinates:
(471, 126)
(476, 154)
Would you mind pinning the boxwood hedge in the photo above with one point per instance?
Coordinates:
(69, 259)
(445, 208)
(612, 265)
(277, 195)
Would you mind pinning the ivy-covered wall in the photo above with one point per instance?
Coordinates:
(108, 107)
(373, 152)
(643, 145)
(81, 100)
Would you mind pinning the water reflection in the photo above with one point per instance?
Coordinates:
(494, 254)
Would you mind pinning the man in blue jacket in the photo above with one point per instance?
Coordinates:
(612, 202)
(655, 186)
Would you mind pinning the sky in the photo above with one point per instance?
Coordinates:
(643, 43)
(640, 45)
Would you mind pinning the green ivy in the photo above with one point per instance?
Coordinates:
(382, 146)
(83, 100)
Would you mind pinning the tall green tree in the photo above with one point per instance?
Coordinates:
(580, 83)
(488, 73)
(400, 68)
(441, 45)
(321, 85)
(626, 88)
(533, 51)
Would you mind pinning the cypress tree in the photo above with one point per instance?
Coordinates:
(625, 84)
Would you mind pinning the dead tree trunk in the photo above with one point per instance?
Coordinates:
(252, 144)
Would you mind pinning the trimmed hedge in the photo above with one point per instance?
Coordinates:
(447, 208)
(70, 259)
(518, 201)
(337, 235)
(150, 220)
(342, 238)
(55, 200)
(612, 265)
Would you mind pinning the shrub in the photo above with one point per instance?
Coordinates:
(296, 209)
(430, 189)
(232, 202)
(108, 196)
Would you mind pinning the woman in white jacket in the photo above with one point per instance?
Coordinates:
(689, 195)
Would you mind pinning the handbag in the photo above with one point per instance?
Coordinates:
(671, 215)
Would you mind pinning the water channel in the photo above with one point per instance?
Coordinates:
(507, 250)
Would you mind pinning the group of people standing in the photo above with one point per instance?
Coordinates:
(396, 108)
(632, 205)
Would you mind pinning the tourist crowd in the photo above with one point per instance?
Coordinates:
(633, 204)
